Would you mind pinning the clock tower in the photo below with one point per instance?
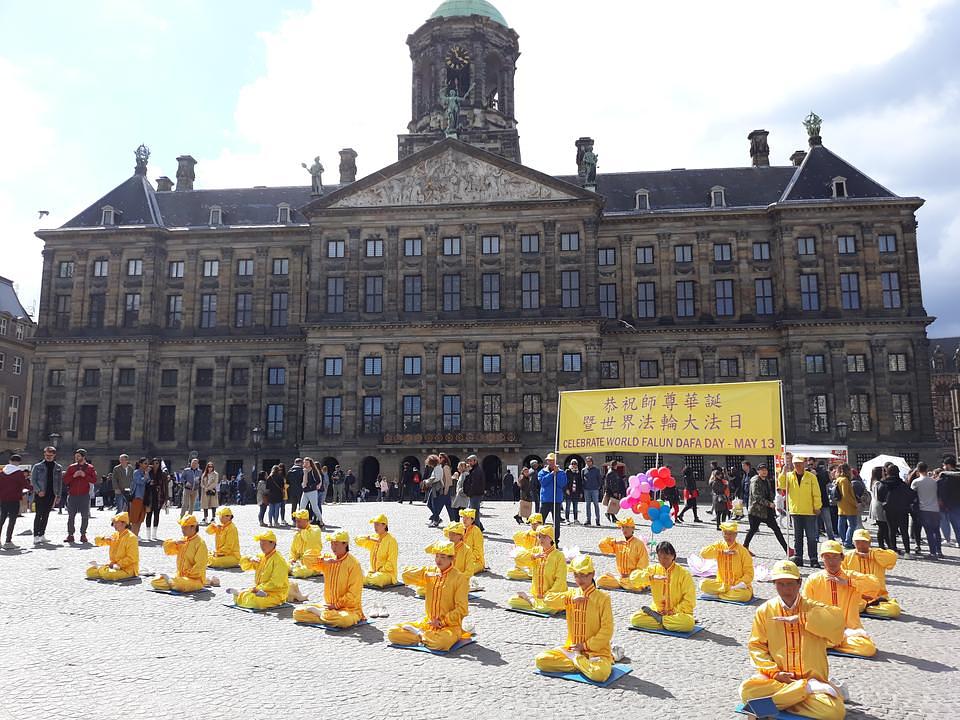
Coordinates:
(464, 59)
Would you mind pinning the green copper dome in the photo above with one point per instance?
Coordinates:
(465, 8)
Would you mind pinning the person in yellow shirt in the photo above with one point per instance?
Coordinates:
(788, 648)
(589, 627)
(734, 567)
(445, 589)
(632, 557)
(803, 504)
(842, 589)
(876, 562)
(848, 510)
(307, 545)
(342, 587)
(124, 552)
(226, 552)
(384, 553)
(674, 594)
(465, 560)
(473, 536)
(548, 570)
(525, 540)
(191, 554)
(271, 582)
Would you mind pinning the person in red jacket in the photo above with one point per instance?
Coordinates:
(78, 479)
(13, 482)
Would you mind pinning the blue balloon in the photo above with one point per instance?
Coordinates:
(667, 524)
(657, 527)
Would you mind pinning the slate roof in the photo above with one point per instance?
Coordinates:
(240, 206)
(9, 302)
(949, 346)
(814, 181)
(133, 202)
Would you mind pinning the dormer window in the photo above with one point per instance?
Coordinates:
(839, 187)
(643, 200)
(107, 215)
(718, 197)
(216, 215)
(283, 214)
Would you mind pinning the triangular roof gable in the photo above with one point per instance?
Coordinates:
(814, 179)
(133, 200)
(450, 173)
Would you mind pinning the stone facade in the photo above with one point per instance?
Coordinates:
(16, 357)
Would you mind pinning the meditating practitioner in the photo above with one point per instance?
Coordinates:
(465, 559)
(342, 587)
(307, 543)
(674, 594)
(548, 571)
(843, 588)
(191, 554)
(631, 557)
(226, 552)
(124, 552)
(384, 553)
(876, 562)
(525, 539)
(734, 567)
(445, 589)
(473, 536)
(589, 627)
(271, 583)
(788, 647)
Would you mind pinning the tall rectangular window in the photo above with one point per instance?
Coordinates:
(451, 246)
(278, 309)
(412, 247)
(374, 247)
(208, 311)
(860, 412)
(167, 423)
(335, 294)
(126, 377)
(204, 377)
(572, 362)
(169, 377)
(724, 297)
(65, 269)
(332, 415)
(530, 290)
(722, 252)
(609, 369)
(608, 300)
(645, 255)
(451, 365)
(87, 429)
(769, 367)
(819, 418)
(122, 421)
(490, 245)
(451, 293)
(336, 248)
(856, 363)
(373, 294)
(761, 251)
(373, 365)
(814, 364)
(646, 300)
(806, 246)
(56, 377)
(902, 412)
(131, 309)
(570, 241)
(491, 364)
(606, 257)
(174, 312)
(243, 310)
(239, 376)
(683, 253)
(412, 409)
(275, 422)
(887, 243)
(13, 414)
(649, 369)
(412, 293)
(897, 362)
(530, 363)
(245, 267)
(281, 266)
(570, 289)
(175, 269)
(333, 367)
(846, 244)
(211, 268)
(850, 291)
(532, 413)
(688, 368)
(62, 317)
(53, 420)
(490, 283)
(809, 292)
(276, 376)
(491, 413)
(202, 423)
(451, 412)
(134, 268)
(412, 365)
(686, 298)
(371, 414)
(101, 268)
(237, 423)
(530, 243)
(763, 292)
(890, 285)
(728, 367)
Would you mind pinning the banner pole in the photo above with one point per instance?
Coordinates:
(786, 485)
(556, 453)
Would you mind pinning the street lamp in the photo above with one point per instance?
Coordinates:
(54, 439)
(842, 428)
(257, 436)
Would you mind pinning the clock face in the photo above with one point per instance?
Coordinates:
(457, 58)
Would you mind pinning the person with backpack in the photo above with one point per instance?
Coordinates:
(896, 498)
(848, 509)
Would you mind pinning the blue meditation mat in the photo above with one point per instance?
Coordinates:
(535, 613)
(766, 708)
(202, 591)
(420, 648)
(658, 631)
(617, 672)
(837, 653)
(258, 610)
(714, 598)
(332, 628)
(385, 587)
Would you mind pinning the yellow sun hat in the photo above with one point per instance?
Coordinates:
(828, 547)
(225, 511)
(534, 518)
(551, 456)
(381, 518)
(626, 522)
(187, 520)
(785, 570)
(731, 526)
(441, 548)
(454, 527)
(338, 536)
(121, 517)
(468, 512)
(862, 534)
(582, 565)
(268, 535)
(546, 531)
(300, 514)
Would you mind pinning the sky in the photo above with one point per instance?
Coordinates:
(251, 89)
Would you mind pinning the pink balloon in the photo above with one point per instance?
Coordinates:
(644, 487)
(626, 503)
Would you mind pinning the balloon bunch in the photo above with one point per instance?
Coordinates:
(639, 500)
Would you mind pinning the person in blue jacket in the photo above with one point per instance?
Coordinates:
(552, 482)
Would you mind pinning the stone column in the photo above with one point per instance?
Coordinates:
(112, 311)
(258, 410)
(219, 411)
(392, 287)
(628, 356)
(470, 373)
(78, 299)
(512, 409)
(666, 281)
(549, 277)
(880, 379)
(313, 400)
(838, 382)
(70, 413)
(669, 366)
(470, 270)
(703, 262)
(830, 274)
(390, 417)
(108, 411)
(550, 385)
(589, 294)
(295, 397)
(593, 348)
(351, 377)
(709, 359)
(431, 410)
(45, 319)
(510, 278)
(432, 290)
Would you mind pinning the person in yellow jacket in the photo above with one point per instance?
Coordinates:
(384, 553)
(876, 562)
(473, 537)
(589, 627)
(271, 582)
(631, 557)
(842, 588)
(803, 504)
(226, 552)
(306, 546)
(342, 587)
(191, 554)
(465, 559)
(674, 594)
(548, 570)
(525, 540)
(734, 567)
(445, 589)
(788, 648)
(124, 552)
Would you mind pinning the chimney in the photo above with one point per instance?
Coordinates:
(164, 184)
(348, 166)
(759, 150)
(185, 172)
(797, 157)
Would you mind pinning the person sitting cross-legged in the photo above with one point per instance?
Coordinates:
(465, 559)
(876, 562)
(525, 539)
(124, 552)
(548, 570)
(226, 552)
(191, 554)
(734, 579)
(674, 594)
(271, 582)
(384, 553)
(473, 536)
(342, 587)
(631, 557)
(306, 546)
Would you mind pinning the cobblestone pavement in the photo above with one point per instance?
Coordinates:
(78, 649)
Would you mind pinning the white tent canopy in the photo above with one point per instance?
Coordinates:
(818, 451)
(880, 460)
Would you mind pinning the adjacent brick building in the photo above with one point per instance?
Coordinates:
(16, 356)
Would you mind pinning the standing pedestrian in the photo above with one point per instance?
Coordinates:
(311, 492)
(13, 483)
(443, 496)
(508, 483)
(190, 482)
(525, 507)
(336, 478)
(275, 494)
(803, 504)
(925, 486)
(460, 499)
(46, 477)
(350, 485)
(948, 485)
(535, 484)
(877, 512)
(896, 498)
(138, 494)
(720, 491)
(209, 487)
(571, 493)
(263, 497)
(592, 482)
(155, 497)
(475, 486)
(432, 483)
(295, 482)
(122, 476)
(553, 481)
(848, 508)
(690, 493)
(762, 507)
(825, 518)
(406, 482)
(77, 480)
(614, 490)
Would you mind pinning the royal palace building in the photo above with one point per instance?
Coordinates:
(444, 301)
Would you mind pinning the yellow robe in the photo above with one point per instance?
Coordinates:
(342, 588)
(590, 625)
(474, 538)
(846, 597)
(271, 577)
(799, 648)
(525, 540)
(731, 570)
(878, 561)
(384, 553)
(631, 556)
(124, 553)
(445, 601)
(226, 552)
(191, 565)
(308, 540)
(465, 560)
(548, 573)
(674, 597)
